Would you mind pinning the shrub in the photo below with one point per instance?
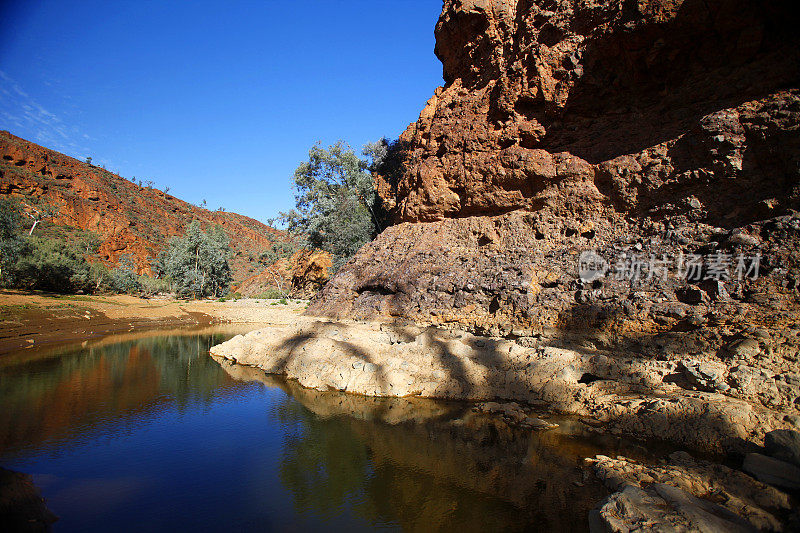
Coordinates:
(152, 286)
(52, 265)
(123, 278)
(270, 294)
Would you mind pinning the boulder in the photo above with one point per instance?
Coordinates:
(773, 471)
(783, 444)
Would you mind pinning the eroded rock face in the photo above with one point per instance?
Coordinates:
(637, 104)
(640, 131)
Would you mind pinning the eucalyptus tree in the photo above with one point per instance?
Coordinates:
(197, 263)
(337, 208)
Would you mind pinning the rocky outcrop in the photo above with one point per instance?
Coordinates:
(671, 126)
(301, 275)
(132, 221)
(661, 136)
(622, 395)
(598, 212)
(686, 494)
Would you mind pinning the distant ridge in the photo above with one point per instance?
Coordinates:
(130, 220)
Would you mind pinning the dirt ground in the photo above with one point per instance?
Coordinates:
(33, 320)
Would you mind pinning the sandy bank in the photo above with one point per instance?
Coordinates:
(33, 320)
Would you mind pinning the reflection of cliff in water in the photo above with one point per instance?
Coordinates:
(430, 465)
(86, 392)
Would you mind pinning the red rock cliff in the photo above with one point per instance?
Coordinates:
(635, 104)
(637, 129)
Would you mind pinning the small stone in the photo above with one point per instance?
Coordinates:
(743, 239)
(691, 295)
(539, 424)
(793, 420)
(743, 349)
(715, 289)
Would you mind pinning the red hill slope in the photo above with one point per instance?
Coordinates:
(129, 219)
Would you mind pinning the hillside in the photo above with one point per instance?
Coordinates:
(130, 220)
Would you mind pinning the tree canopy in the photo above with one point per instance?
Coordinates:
(197, 263)
(336, 206)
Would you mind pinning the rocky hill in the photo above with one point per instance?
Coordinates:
(607, 175)
(130, 220)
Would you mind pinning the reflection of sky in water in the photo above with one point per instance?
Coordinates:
(154, 435)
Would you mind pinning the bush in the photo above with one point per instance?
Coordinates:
(270, 294)
(52, 265)
(123, 278)
(152, 286)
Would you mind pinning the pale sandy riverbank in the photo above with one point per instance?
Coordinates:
(33, 320)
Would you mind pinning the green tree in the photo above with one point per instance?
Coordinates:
(336, 206)
(11, 245)
(55, 265)
(197, 263)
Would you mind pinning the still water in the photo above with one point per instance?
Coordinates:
(153, 434)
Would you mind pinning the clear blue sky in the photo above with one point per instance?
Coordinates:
(217, 100)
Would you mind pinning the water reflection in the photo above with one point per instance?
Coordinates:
(65, 395)
(151, 433)
(432, 466)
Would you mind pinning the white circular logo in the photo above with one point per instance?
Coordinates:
(591, 266)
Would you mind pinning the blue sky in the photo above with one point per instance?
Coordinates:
(217, 100)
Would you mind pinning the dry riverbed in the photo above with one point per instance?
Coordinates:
(34, 320)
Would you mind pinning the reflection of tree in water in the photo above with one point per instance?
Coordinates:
(469, 472)
(324, 466)
(80, 392)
